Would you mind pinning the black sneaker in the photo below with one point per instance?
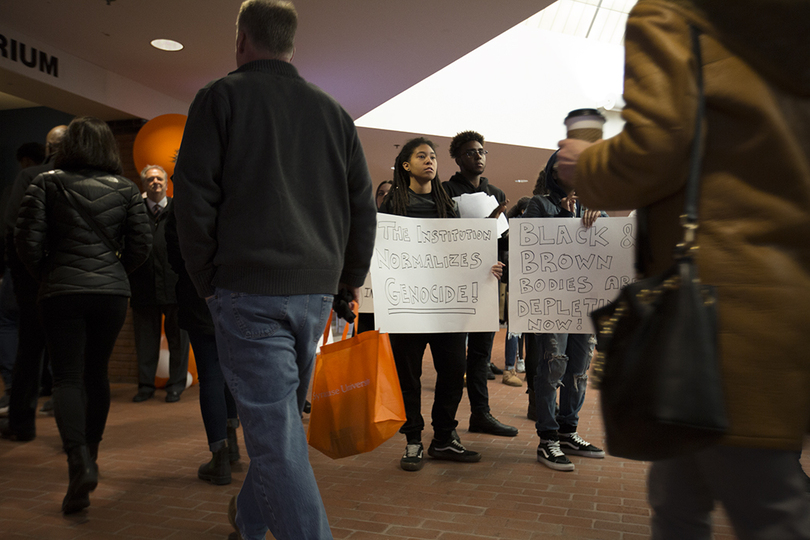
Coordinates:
(550, 455)
(452, 450)
(572, 443)
(412, 459)
(495, 369)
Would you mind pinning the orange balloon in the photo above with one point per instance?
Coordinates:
(158, 141)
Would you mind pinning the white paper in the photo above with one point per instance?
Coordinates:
(480, 205)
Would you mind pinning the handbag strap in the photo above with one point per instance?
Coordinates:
(689, 218)
(89, 219)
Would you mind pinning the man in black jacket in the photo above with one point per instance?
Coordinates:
(467, 148)
(154, 297)
(275, 212)
(27, 372)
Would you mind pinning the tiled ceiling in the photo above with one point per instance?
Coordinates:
(599, 20)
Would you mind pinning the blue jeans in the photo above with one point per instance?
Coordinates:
(266, 350)
(510, 349)
(565, 366)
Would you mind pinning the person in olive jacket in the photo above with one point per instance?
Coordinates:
(754, 238)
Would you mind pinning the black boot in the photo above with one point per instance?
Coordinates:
(83, 480)
(233, 442)
(92, 449)
(484, 422)
(531, 413)
(218, 470)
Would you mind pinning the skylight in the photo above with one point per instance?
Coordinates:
(568, 56)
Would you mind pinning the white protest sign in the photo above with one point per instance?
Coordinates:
(433, 275)
(480, 205)
(366, 301)
(559, 271)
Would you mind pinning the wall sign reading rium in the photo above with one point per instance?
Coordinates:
(17, 51)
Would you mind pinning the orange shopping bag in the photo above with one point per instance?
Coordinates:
(356, 398)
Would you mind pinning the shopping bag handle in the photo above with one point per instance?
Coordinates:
(345, 328)
(356, 311)
(328, 328)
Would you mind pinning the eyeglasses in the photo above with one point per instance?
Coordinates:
(473, 152)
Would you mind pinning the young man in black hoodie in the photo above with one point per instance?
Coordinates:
(467, 148)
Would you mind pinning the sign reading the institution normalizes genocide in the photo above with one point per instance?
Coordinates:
(559, 271)
(433, 275)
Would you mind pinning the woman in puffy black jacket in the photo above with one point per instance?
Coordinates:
(80, 230)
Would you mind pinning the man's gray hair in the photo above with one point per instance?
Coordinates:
(149, 168)
(270, 24)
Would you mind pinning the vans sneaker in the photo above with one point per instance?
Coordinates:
(550, 455)
(573, 444)
(452, 450)
(412, 459)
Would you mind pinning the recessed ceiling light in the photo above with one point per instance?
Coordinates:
(521, 181)
(166, 44)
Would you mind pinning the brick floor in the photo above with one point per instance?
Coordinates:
(149, 489)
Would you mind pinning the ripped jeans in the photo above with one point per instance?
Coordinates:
(565, 362)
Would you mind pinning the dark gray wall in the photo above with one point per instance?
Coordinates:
(19, 126)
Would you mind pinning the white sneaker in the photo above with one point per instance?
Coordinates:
(520, 367)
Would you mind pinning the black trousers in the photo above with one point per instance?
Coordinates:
(27, 372)
(146, 324)
(534, 352)
(449, 361)
(479, 353)
(81, 330)
(216, 402)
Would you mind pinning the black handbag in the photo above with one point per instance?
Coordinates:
(657, 365)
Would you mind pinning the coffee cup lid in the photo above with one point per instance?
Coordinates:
(583, 118)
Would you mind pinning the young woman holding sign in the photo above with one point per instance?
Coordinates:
(417, 192)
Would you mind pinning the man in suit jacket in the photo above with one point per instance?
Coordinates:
(153, 297)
